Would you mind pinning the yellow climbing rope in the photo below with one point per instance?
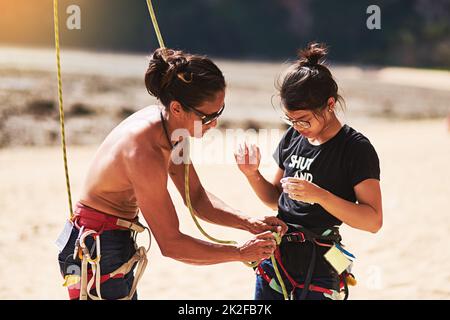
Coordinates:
(155, 24)
(189, 204)
(61, 107)
(186, 181)
(277, 272)
(186, 165)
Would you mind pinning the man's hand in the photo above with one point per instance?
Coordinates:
(259, 248)
(268, 223)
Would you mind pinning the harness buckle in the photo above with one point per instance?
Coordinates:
(76, 250)
(296, 237)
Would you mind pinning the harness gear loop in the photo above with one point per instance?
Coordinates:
(139, 257)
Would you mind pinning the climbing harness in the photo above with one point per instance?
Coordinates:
(328, 238)
(92, 223)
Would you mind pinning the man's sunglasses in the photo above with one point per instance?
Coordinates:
(206, 118)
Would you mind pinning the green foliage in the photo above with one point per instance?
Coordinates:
(413, 32)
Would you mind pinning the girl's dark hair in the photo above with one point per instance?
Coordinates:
(308, 83)
(186, 78)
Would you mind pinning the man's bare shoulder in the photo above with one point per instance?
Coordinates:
(140, 130)
(141, 120)
(140, 141)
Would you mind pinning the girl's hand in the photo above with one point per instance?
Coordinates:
(248, 159)
(302, 190)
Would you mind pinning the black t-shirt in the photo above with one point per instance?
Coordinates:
(337, 165)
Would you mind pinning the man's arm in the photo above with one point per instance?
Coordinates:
(207, 206)
(146, 170)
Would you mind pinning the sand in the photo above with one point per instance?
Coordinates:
(407, 259)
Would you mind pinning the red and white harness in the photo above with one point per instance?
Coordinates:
(92, 223)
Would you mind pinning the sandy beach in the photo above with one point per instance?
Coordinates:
(406, 259)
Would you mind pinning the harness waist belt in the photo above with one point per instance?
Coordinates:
(298, 233)
(99, 221)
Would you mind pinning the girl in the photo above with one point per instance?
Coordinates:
(328, 174)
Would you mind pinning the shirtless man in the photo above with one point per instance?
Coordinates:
(130, 171)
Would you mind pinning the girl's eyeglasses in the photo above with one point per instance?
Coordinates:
(296, 123)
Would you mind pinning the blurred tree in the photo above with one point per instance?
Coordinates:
(413, 32)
